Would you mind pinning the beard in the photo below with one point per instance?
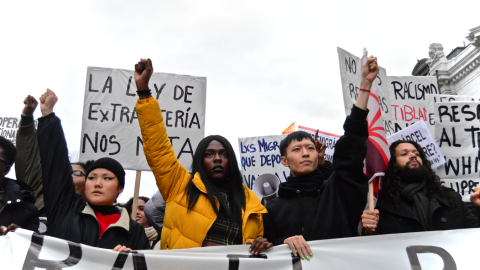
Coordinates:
(413, 175)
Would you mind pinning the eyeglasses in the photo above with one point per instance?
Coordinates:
(78, 173)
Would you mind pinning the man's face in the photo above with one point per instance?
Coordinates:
(407, 155)
(301, 157)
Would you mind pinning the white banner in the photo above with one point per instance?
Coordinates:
(407, 98)
(110, 126)
(432, 99)
(260, 155)
(9, 127)
(329, 139)
(455, 249)
(350, 73)
(457, 133)
(419, 133)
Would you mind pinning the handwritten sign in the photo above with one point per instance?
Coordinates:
(432, 99)
(260, 155)
(407, 98)
(419, 133)
(350, 73)
(9, 127)
(329, 139)
(110, 126)
(457, 133)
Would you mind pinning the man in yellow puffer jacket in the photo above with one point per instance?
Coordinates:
(190, 218)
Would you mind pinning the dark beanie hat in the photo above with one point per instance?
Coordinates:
(111, 165)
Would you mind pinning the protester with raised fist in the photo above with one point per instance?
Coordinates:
(309, 205)
(205, 207)
(413, 199)
(95, 222)
(17, 199)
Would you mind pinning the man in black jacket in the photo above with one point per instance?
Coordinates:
(17, 200)
(412, 198)
(310, 207)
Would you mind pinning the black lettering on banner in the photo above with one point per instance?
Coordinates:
(114, 142)
(173, 138)
(134, 113)
(412, 251)
(128, 87)
(296, 263)
(197, 122)
(472, 130)
(94, 146)
(32, 260)
(124, 112)
(351, 65)
(353, 90)
(159, 91)
(234, 259)
(103, 143)
(139, 262)
(90, 111)
(397, 88)
(114, 110)
(465, 111)
(139, 142)
(187, 94)
(175, 92)
(104, 115)
(187, 142)
(108, 85)
(90, 85)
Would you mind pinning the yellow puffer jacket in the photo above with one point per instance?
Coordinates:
(182, 229)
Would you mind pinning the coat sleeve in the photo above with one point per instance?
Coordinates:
(170, 175)
(326, 169)
(32, 223)
(58, 188)
(28, 168)
(351, 184)
(270, 232)
(469, 219)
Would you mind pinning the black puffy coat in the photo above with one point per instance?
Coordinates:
(20, 209)
(325, 208)
(442, 216)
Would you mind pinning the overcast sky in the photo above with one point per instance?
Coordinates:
(267, 63)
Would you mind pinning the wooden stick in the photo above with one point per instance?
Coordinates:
(135, 194)
(370, 196)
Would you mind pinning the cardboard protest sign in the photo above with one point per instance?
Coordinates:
(432, 99)
(9, 127)
(260, 155)
(453, 249)
(457, 133)
(350, 73)
(419, 133)
(329, 139)
(407, 98)
(110, 125)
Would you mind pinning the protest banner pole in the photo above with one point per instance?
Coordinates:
(135, 194)
(370, 196)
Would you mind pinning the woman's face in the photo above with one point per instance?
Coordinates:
(78, 176)
(215, 161)
(101, 187)
(140, 218)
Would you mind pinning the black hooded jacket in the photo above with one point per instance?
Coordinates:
(19, 205)
(324, 209)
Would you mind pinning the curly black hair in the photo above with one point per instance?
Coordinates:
(9, 151)
(391, 182)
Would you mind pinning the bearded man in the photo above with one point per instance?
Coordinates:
(412, 198)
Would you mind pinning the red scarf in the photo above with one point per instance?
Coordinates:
(105, 221)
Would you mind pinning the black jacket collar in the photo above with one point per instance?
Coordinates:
(17, 192)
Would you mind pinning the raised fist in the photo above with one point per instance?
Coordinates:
(30, 106)
(143, 72)
(47, 102)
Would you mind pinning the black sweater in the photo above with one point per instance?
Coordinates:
(68, 216)
(323, 209)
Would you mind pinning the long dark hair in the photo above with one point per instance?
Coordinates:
(236, 195)
(391, 183)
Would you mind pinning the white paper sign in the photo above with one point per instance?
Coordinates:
(350, 73)
(407, 98)
(260, 155)
(453, 249)
(9, 127)
(419, 133)
(110, 126)
(457, 133)
(432, 99)
(329, 139)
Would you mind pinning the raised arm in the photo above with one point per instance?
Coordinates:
(351, 149)
(170, 175)
(58, 189)
(28, 168)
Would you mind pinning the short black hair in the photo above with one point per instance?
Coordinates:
(84, 165)
(9, 151)
(295, 136)
(129, 204)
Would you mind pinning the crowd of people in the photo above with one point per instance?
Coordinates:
(209, 205)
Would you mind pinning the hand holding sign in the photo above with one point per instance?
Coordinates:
(30, 106)
(258, 245)
(47, 102)
(321, 147)
(370, 220)
(143, 72)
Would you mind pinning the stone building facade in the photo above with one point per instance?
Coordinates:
(458, 72)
